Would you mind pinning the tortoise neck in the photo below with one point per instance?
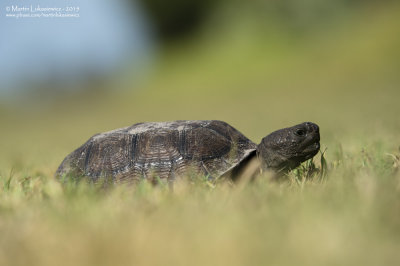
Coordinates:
(248, 167)
(261, 156)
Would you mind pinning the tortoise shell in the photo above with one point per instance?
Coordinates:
(160, 149)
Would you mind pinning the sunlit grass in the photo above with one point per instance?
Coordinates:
(311, 217)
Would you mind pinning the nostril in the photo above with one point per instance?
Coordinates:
(312, 128)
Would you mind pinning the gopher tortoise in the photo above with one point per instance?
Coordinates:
(165, 150)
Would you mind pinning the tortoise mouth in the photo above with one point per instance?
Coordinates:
(307, 153)
(310, 146)
(311, 150)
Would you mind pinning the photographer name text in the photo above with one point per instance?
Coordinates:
(38, 8)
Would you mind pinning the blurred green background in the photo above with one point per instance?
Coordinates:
(258, 65)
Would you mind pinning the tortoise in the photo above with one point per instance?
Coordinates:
(166, 150)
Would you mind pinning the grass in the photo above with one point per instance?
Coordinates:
(310, 218)
(340, 209)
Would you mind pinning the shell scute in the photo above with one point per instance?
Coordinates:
(164, 149)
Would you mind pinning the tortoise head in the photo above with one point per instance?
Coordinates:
(287, 148)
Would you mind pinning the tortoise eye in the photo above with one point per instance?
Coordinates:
(300, 132)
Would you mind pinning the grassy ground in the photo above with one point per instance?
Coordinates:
(350, 217)
(345, 79)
